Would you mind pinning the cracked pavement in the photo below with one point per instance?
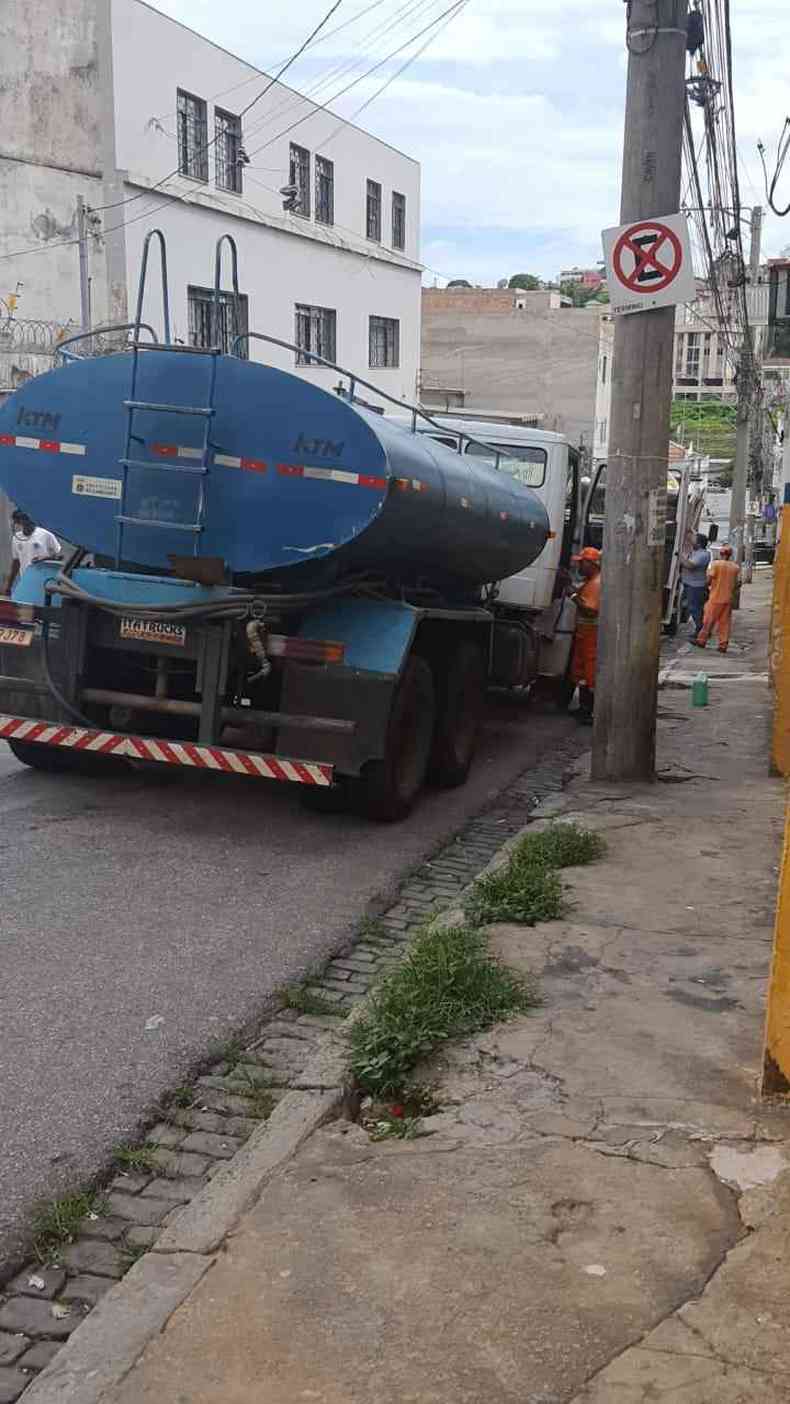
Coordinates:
(600, 1211)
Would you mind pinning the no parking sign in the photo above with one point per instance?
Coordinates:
(648, 264)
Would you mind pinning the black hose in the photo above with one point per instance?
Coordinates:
(53, 687)
(237, 606)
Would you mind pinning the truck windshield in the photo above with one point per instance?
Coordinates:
(522, 461)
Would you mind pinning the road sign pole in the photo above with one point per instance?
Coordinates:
(636, 474)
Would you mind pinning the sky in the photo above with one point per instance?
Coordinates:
(515, 112)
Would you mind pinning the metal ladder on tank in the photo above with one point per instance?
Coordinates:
(204, 412)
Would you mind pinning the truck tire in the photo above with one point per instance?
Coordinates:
(56, 761)
(460, 697)
(320, 799)
(388, 788)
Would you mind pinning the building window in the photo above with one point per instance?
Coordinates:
(603, 426)
(719, 356)
(706, 352)
(384, 342)
(324, 190)
(300, 177)
(316, 330)
(398, 220)
(192, 136)
(679, 353)
(200, 302)
(374, 211)
(227, 144)
(692, 356)
(603, 370)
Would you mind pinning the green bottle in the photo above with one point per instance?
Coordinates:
(699, 690)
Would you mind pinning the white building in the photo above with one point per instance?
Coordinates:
(106, 100)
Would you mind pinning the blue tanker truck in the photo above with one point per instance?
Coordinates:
(272, 580)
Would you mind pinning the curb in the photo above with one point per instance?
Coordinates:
(104, 1348)
(108, 1342)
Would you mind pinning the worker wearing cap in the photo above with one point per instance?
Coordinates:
(585, 643)
(29, 543)
(723, 579)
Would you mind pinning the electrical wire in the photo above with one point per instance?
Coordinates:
(97, 209)
(397, 74)
(782, 148)
(308, 116)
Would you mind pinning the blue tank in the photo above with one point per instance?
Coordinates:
(234, 459)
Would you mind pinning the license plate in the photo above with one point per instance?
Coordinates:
(151, 631)
(22, 638)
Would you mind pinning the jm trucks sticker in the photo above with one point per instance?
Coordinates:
(153, 631)
(96, 487)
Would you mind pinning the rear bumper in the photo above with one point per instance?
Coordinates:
(147, 748)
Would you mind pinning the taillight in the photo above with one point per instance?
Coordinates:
(13, 613)
(304, 650)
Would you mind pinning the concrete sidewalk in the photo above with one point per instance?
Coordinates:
(602, 1209)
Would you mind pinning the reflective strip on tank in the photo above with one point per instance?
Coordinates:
(331, 475)
(249, 465)
(43, 445)
(149, 748)
(410, 485)
(175, 451)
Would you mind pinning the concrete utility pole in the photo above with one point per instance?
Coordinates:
(636, 476)
(82, 239)
(746, 369)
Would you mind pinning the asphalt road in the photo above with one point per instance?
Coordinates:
(190, 897)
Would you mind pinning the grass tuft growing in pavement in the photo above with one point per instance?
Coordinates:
(57, 1222)
(300, 997)
(448, 985)
(135, 1157)
(560, 846)
(527, 889)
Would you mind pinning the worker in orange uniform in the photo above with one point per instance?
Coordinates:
(585, 643)
(723, 580)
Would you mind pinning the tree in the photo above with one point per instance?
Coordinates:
(527, 281)
(580, 293)
(459, 283)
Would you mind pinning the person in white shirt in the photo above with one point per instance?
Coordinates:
(29, 543)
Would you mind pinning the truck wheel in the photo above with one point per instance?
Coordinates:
(461, 694)
(322, 799)
(56, 761)
(388, 788)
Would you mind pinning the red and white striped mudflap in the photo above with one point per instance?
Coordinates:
(148, 748)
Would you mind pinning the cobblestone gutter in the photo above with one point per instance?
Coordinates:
(203, 1127)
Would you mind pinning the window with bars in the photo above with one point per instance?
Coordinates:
(316, 330)
(692, 355)
(300, 177)
(707, 342)
(192, 129)
(373, 224)
(227, 144)
(324, 190)
(384, 342)
(200, 303)
(398, 220)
